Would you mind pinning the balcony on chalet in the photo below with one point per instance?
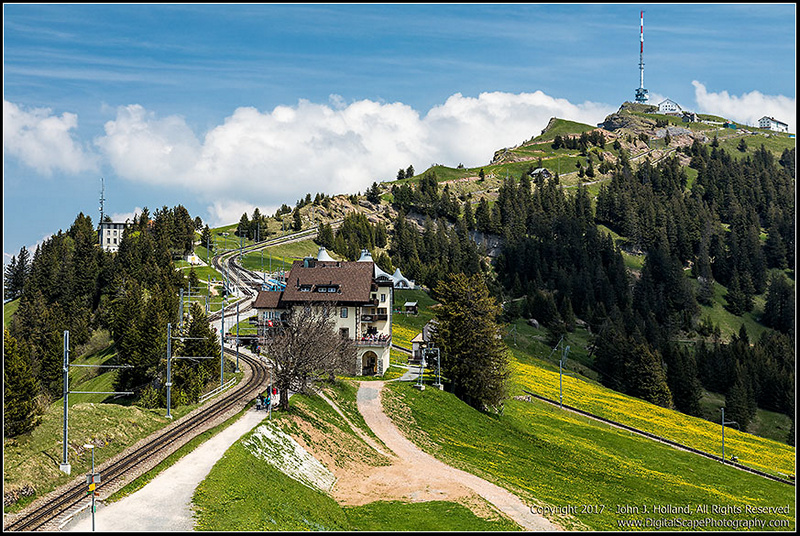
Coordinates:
(375, 341)
(374, 317)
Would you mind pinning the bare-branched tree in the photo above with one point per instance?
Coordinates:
(305, 348)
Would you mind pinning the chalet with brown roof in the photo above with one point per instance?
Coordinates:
(362, 302)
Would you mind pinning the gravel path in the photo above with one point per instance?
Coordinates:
(164, 504)
(435, 472)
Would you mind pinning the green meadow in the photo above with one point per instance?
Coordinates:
(270, 500)
(553, 457)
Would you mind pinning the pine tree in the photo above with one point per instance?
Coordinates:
(381, 235)
(775, 250)
(194, 281)
(244, 226)
(23, 268)
(374, 193)
(739, 300)
(206, 240)
(483, 217)
(9, 288)
(779, 307)
(325, 236)
(474, 357)
(682, 380)
(590, 170)
(740, 402)
(645, 377)
(742, 146)
(469, 218)
(297, 220)
(191, 376)
(21, 413)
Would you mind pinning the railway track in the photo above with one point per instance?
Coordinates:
(149, 452)
(142, 455)
(247, 281)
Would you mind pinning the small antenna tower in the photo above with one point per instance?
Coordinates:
(102, 197)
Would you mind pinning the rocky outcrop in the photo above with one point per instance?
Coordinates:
(550, 124)
(631, 123)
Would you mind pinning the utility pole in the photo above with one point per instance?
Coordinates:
(258, 230)
(237, 336)
(102, 198)
(724, 422)
(561, 363)
(419, 385)
(169, 370)
(222, 333)
(64, 465)
(438, 383)
(208, 281)
(560, 369)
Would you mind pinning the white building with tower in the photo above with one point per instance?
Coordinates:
(111, 234)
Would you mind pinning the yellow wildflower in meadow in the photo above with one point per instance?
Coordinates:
(402, 335)
(581, 393)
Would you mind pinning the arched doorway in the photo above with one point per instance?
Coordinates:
(369, 364)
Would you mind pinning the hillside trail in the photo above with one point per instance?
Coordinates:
(420, 476)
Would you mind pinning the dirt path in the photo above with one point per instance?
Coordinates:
(423, 477)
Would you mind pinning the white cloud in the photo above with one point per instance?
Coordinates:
(469, 130)
(126, 216)
(264, 159)
(30, 247)
(142, 148)
(748, 108)
(44, 141)
(224, 211)
(655, 98)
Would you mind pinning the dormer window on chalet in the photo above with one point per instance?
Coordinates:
(305, 288)
(328, 288)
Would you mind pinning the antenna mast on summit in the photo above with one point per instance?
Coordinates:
(641, 93)
(102, 197)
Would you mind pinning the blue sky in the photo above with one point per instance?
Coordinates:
(223, 108)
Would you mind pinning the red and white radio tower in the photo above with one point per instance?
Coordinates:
(641, 93)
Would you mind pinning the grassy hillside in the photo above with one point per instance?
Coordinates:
(407, 326)
(282, 256)
(31, 461)
(9, 309)
(271, 500)
(561, 458)
(553, 457)
(561, 127)
(754, 451)
(532, 372)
